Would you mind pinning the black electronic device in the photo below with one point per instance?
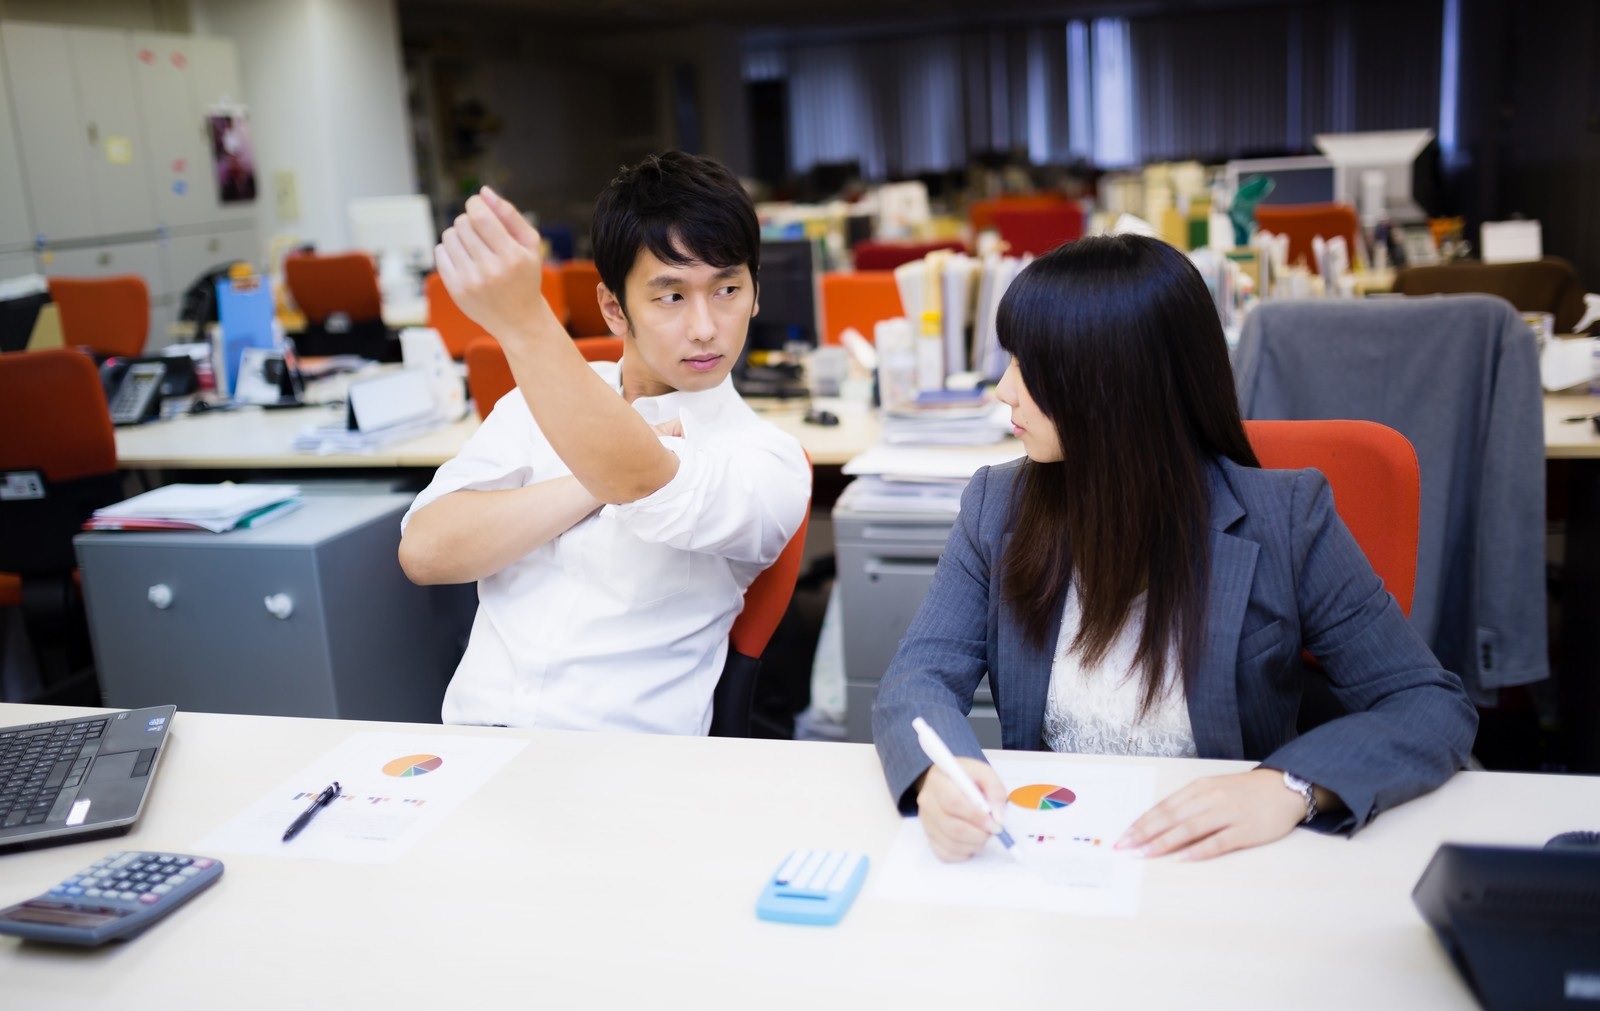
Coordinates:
(787, 291)
(1521, 924)
(77, 778)
(116, 898)
(135, 387)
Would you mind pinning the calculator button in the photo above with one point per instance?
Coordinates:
(149, 898)
(182, 861)
(93, 893)
(189, 872)
(842, 876)
(204, 863)
(128, 896)
(161, 890)
(786, 872)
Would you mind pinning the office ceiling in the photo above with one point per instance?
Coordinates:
(807, 13)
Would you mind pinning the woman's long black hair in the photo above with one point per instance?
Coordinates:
(1120, 346)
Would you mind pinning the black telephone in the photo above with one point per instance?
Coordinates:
(135, 386)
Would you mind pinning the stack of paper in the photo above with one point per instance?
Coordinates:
(336, 437)
(988, 358)
(897, 479)
(214, 507)
(964, 418)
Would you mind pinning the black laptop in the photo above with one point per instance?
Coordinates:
(78, 778)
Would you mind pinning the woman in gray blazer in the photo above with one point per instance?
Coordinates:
(1139, 585)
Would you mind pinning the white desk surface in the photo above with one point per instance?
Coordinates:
(1570, 439)
(604, 871)
(250, 437)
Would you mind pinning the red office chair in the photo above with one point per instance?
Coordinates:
(556, 294)
(70, 457)
(579, 279)
(1038, 230)
(600, 349)
(1304, 222)
(765, 602)
(861, 300)
(108, 315)
(980, 213)
(1377, 489)
(870, 254)
(324, 285)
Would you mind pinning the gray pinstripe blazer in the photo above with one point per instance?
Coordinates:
(1285, 574)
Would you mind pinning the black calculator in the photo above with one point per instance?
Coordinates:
(116, 897)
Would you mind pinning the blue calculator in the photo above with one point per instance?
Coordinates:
(813, 886)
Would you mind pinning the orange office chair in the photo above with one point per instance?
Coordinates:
(70, 459)
(578, 281)
(489, 374)
(765, 602)
(1304, 222)
(860, 300)
(600, 349)
(1037, 230)
(556, 294)
(109, 315)
(1377, 490)
(455, 327)
(324, 285)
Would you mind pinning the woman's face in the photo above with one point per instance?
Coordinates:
(1028, 423)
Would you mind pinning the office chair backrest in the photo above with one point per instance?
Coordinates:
(1037, 230)
(488, 374)
(1549, 285)
(1376, 483)
(765, 602)
(455, 327)
(110, 315)
(980, 213)
(555, 293)
(324, 285)
(870, 254)
(70, 456)
(579, 279)
(1304, 222)
(861, 300)
(600, 349)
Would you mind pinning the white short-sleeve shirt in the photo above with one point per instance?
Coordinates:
(621, 623)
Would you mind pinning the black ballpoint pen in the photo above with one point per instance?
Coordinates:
(304, 817)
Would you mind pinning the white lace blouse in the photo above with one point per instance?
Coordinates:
(1093, 710)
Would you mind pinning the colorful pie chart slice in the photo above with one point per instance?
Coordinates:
(1043, 797)
(413, 765)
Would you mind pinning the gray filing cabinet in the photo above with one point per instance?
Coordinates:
(885, 563)
(184, 618)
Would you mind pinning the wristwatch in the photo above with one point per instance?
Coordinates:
(1304, 789)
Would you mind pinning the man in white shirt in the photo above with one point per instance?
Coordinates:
(612, 514)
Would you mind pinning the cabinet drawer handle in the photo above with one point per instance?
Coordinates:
(160, 595)
(280, 606)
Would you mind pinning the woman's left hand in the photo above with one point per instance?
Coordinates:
(1217, 815)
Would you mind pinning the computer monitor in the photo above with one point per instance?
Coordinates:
(397, 228)
(1383, 174)
(1521, 925)
(1295, 180)
(788, 296)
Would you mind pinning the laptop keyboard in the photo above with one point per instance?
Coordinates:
(39, 762)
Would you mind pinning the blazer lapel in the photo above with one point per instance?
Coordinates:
(1027, 677)
(1214, 694)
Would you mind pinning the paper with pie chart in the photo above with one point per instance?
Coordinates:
(1065, 814)
(394, 787)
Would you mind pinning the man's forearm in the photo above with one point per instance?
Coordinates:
(609, 448)
(468, 535)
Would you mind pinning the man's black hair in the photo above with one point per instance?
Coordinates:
(684, 208)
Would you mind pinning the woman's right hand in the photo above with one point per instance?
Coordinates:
(956, 828)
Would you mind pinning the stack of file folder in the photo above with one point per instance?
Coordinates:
(214, 507)
(947, 418)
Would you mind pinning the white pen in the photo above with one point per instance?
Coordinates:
(939, 753)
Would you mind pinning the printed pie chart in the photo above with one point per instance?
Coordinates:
(413, 765)
(1043, 797)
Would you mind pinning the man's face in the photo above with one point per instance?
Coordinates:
(685, 326)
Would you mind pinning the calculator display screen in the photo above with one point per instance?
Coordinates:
(60, 916)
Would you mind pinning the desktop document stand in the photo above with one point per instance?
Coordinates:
(1521, 925)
